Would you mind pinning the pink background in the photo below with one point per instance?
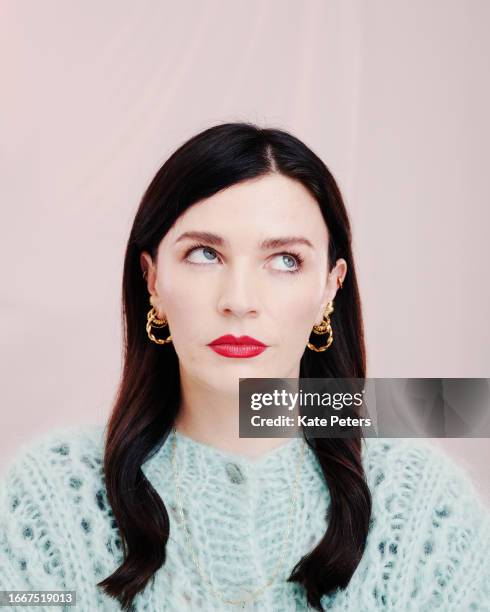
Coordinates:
(393, 95)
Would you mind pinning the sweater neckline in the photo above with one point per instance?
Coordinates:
(188, 444)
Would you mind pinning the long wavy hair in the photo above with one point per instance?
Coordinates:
(147, 398)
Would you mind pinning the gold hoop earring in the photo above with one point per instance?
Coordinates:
(324, 328)
(153, 320)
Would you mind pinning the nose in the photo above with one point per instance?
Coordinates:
(238, 293)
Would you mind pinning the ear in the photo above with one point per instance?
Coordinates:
(332, 285)
(148, 270)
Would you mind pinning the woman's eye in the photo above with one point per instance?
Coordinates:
(199, 254)
(291, 263)
(207, 255)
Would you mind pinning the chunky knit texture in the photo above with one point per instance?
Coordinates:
(428, 546)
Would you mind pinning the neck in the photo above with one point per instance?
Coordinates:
(211, 416)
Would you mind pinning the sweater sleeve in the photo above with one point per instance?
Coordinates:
(31, 555)
(57, 530)
(454, 552)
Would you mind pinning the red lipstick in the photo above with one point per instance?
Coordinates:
(233, 346)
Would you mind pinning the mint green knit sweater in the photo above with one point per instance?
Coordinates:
(428, 546)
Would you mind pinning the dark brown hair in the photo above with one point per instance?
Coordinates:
(147, 399)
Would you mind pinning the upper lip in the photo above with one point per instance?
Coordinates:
(230, 339)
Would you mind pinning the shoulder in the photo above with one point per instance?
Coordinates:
(430, 535)
(415, 464)
(54, 455)
(52, 472)
(52, 502)
(419, 477)
(56, 474)
(63, 439)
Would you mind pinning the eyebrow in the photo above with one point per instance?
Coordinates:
(268, 243)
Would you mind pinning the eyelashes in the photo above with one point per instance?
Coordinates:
(295, 255)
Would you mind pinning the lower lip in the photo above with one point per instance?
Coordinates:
(237, 350)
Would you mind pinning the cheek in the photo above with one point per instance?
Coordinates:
(183, 304)
(297, 299)
(297, 317)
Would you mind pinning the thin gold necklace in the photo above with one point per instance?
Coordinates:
(187, 534)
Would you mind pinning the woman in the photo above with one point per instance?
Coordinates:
(242, 233)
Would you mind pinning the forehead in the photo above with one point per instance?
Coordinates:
(255, 209)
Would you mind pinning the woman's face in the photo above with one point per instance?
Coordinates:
(232, 284)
